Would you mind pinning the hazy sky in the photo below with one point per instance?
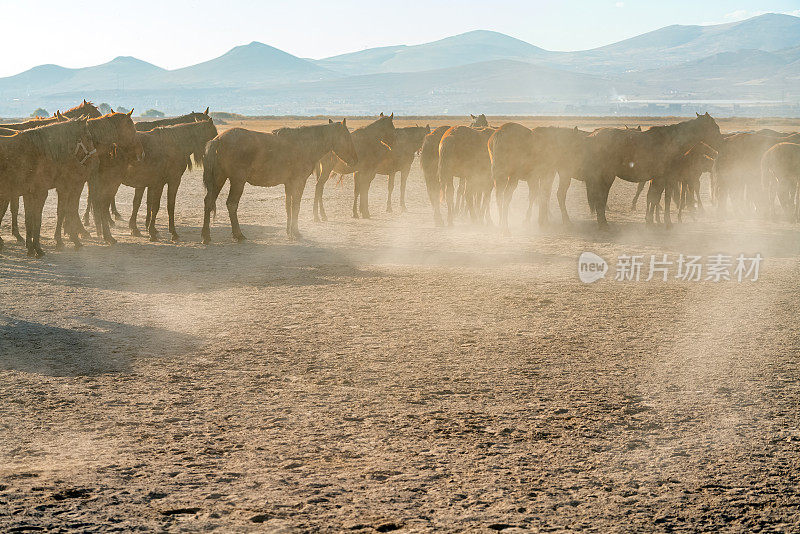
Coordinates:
(176, 33)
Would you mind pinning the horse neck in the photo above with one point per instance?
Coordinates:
(313, 141)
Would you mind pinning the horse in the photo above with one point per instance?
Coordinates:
(32, 123)
(84, 109)
(780, 165)
(737, 170)
(463, 152)
(32, 162)
(685, 169)
(636, 156)
(146, 126)
(429, 161)
(167, 155)
(407, 144)
(479, 121)
(287, 156)
(372, 145)
(114, 136)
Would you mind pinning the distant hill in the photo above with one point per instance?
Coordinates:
(471, 47)
(753, 60)
(248, 66)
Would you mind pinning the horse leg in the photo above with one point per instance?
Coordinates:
(363, 194)
(319, 209)
(297, 196)
(172, 195)
(137, 203)
(653, 200)
(561, 194)
(33, 222)
(508, 194)
(668, 186)
(403, 179)
(356, 179)
(598, 191)
(3, 208)
(389, 196)
(639, 189)
(544, 191)
(532, 186)
(114, 211)
(234, 194)
(153, 206)
(72, 220)
(60, 213)
(209, 205)
(435, 197)
(15, 219)
(448, 189)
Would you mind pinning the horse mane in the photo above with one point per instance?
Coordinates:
(143, 126)
(56, 141)
(376, 124)
(190, 137)
(33, 123)
(105, 129)
(84, 108)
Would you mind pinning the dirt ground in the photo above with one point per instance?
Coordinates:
(385, 374)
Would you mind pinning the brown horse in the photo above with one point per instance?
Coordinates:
(114, 136)
(636, 156)
(407, 143)
(510, 149)
(429, 161)
(167, 152)
(84, 109)
(463, 152)
(737, 170)
(33, 161)
(686, 168)
(287, 156)
(146, 126)
(780, 166)
(27, 125)
(372, 144)
(479, 122)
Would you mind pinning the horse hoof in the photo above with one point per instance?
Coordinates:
(317, 219)
(19, 238)
(324, 218)
(136, 233)
(355, 215)
(175, 238)
(59, 245)
(206, 241)
(110, 241)
(239, 238)
(388, 209)
(153, 238)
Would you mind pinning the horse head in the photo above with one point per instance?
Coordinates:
(343, 145)
(479, 121)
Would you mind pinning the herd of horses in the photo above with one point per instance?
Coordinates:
(82, 146)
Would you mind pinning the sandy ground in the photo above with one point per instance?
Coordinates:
(385, 375)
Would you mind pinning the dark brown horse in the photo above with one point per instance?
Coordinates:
(34, 161)
(287, 156)
(429, 161)
(167, 153)
(372, 144)
(408, 142)
(685, 169)
(641, 156)
(780, 168)
(464, 152)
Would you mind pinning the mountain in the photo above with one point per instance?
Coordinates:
(675, 44)
(248, 66)
(471, 47)
(756, 60)
(119, 72)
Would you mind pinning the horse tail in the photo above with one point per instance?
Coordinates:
(211, 173)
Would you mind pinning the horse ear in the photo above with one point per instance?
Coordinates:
(473, 116)
(707, 115)
(206, 111)
(130, 113)
(392, 115)
(84, 101)
(344, 123)
(330, 121)
(696, 113)
(381, 115)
